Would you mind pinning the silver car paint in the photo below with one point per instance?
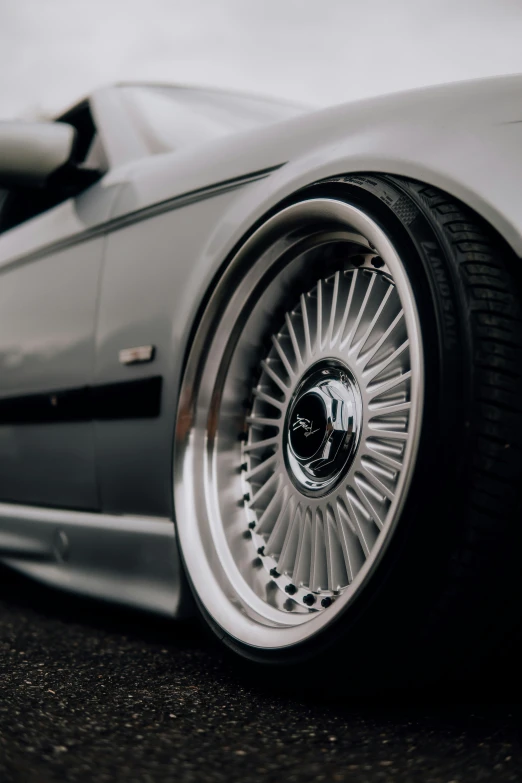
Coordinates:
(147, 297)
(132, 560)
(464, 138)
(47, 320)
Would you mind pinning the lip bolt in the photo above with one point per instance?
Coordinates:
(309, 599)
(291, 589)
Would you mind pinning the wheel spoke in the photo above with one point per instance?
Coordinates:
(319, 327)
(262, 421)
(333, 310)
(261, 444)
(294, 340)
(376, 318)
(362, 520)
(274, 376)
(381, 366)
(374, 488)
(353, 552)
(348, 341)
(370, 498)
(385, 459)
(270, 462)
(378, 389)
(282, 355)
(369, 356)
(306, 327)
(277, 536)
(267, 520)
(263, 490)
(301, 571)
(348, 307)
(261, 395)
(291, 540)
(318, 572)
(336, 566)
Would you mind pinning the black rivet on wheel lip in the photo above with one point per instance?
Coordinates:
(326, 602)
(246, 497)
(251, 525)
(243, 467)
(377, 262)
(291, 589)
(309, 599)
(274, 573)
(261, 550)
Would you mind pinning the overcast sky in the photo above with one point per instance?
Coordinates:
(318, 51)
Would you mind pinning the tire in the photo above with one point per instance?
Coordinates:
(401, 558)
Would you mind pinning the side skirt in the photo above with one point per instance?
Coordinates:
(129, 560)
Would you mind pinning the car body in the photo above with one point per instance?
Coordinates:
(130, 262)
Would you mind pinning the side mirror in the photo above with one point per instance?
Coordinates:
(32, 152)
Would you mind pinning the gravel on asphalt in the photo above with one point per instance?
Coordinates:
(89, 692)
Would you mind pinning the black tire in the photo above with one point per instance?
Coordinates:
(448, 589)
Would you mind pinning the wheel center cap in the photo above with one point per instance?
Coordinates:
(322, 427)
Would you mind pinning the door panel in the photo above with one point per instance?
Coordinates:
(47, 318)
(149, 286)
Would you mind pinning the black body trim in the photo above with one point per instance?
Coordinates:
(135, 399)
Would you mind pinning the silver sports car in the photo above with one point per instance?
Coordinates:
(265, 363)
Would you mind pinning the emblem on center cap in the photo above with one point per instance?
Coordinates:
(308, 426)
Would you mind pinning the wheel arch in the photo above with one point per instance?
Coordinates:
(288, 185)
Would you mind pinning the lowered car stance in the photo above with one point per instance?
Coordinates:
(264, 363)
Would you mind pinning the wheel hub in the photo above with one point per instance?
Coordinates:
(322, 427)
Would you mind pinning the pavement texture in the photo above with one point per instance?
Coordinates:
(91, 693)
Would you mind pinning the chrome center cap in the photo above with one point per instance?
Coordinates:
(322, 427)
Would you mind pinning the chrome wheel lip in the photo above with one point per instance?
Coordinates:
(213, 571)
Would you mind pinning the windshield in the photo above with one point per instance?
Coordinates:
(170, 118)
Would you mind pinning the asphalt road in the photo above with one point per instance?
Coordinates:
(88, 693)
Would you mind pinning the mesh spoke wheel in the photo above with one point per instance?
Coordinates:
(317, 507)
(299, 424)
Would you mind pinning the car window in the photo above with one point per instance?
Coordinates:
(170, 118)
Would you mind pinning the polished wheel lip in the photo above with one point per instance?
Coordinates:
(212, 569)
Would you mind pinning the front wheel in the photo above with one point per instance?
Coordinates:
(348, 443)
